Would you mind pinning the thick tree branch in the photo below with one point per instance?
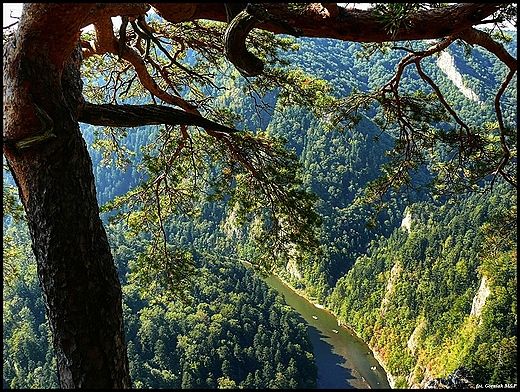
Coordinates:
(140, 115)
(40, 28)
(327, 21)
(235, 44)
(477, 37)
(363, 26)
(104, 10)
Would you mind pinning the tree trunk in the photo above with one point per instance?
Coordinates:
(50, 163)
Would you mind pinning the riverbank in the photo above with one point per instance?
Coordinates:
(380, 363)
(344, 360)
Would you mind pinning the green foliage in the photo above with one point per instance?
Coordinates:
(254, 172)
(422, 284)
(395, 16)
(224, 328)
(112, 149)
(13, 213)
(11, 204)
(164, 274)
(180, 167)
(224, 337)
(234, 331)
(28, 357)
(301, 89)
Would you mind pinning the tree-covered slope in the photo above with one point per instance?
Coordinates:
(418, 297)
(234, 331)
(427, 299)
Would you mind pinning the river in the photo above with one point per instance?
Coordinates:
(344, 361)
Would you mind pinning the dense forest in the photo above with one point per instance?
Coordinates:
(233, 331)
(424, 281)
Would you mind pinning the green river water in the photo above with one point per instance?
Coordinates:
(344, 361)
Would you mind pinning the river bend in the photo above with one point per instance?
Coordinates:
(344, 361)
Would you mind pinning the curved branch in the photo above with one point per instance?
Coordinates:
(481, 38)
(106, 42)
(239, 26)
(235, 45)
(140, 115)
(507, 153)
(347, 24)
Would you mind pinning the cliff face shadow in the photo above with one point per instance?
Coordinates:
(332, 373)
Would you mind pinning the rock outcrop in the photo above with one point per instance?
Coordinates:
(461, 378)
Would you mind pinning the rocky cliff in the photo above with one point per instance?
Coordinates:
(461, 378)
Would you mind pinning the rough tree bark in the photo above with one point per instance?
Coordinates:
(77, 274)
(51, 165)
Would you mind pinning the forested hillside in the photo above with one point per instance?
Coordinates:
(427, 288)
(433, 297)
(232, 331)
(428, 293)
